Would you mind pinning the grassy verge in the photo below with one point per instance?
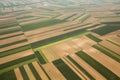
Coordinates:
(24, 74)
(66, 70)
(97, 66)
(15, 50)
(93, 38)
(80, 68)
(10, 75)
(37, 76)
(46, 23)
(107, 52)
(8, 25)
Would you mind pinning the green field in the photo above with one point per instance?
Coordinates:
(42, 24)
(97, 66)
(66, 70)
(93, 38)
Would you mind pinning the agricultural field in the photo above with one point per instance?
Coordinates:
(59, 39)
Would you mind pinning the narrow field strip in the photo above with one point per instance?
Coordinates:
(8, 25)
(14, 51)
(93, 38)
(18, 74)
(53, 72)
(114, 42)
(13, 57)
(23, 72)
(80, 68)
(29, 72)
(40, 57)
(65, 70)
(96, 65)
(35, 73)
(40, 71)
(16, 62)
(16, 42)
(107, 52)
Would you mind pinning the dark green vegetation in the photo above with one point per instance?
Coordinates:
(93, 38)
(57, 38)
(9, 31)
(81, 68)
(10, 75)
(65, 70)
(40, 57)
(13, 43)
(23, 72)
(15, 50)
(108, 52)
(24, 17)
(8, 25)
(96, 65)
(17, 61)
(37, 76)
(37, 25)
(70, 16)
(106, 29)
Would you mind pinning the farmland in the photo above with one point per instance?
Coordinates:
(59, 40)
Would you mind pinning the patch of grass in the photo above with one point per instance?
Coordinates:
(80, 68)
(66, 70)
(57, 38)
(97, 66)
(40, 57)
(17, 61)
(10, 75)
(105, 30)
(15, 50)
(45, 23)
(37, 76)
(70, 16)
(93, 38)
(24, 74)
(13, 43)
(107, 52)
(23, 17)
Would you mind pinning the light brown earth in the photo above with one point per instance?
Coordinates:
(40, 71)
(18, 74)
(53, 72)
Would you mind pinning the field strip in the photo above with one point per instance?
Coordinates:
(53, 72)
(75, 69)
(12, 39)
(16, 56)
(29, 73)
(40, 71)
(11, 34)
(87, 67)
(110, 46)
(104, 60)
(67, 39)
(13, 46)
(9, 28)
(18, 74)
(113, 42)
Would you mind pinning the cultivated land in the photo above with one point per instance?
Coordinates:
(59, 40)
